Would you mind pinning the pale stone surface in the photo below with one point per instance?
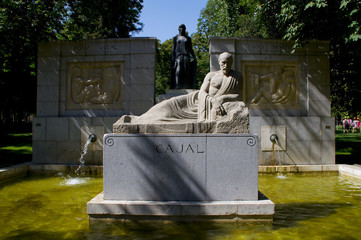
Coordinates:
(309, 125)
(137, 56)
(354, 171)
(280, 132)
(57, 129)
(180, 167)
(260, 210)
(61, 139)
(104, 96)
(95, 85)
(213, 176)
(309, 140)
(238, 124)
(272, 85)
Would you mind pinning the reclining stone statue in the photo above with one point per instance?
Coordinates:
(215, 108)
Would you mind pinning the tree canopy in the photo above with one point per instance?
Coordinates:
(25, 23)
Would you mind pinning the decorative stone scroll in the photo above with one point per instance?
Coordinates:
(272, 84)
(94, 85)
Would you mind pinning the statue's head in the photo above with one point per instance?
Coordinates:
(182, 29)
(225, 62)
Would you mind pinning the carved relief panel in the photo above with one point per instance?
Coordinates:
(271, 85)
(94, 85)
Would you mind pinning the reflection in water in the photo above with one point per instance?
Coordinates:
(307, 206)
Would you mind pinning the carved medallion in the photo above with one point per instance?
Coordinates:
(94, 85)
(271, 84)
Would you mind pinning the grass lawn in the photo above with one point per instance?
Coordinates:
(348, 147)
(15, 148)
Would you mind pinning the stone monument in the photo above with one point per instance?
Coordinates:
(183, 61)
(82, 89)
(287, 92)
(176, 162)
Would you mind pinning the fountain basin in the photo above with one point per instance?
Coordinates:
(323, 205)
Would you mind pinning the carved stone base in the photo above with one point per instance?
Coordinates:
(99, 210)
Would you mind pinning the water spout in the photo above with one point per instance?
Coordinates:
(275, 140)
(91, 139)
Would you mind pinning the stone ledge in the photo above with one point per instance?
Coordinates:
(261, 210)
(298, 169)
(14, 171)
(350, 170)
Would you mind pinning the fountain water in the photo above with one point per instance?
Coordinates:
(275, 141)
(91, 139)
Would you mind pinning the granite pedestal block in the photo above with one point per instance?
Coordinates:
(147, 175)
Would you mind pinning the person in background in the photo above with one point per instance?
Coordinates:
(355, 125)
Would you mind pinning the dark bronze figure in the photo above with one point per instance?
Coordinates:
(183, 63)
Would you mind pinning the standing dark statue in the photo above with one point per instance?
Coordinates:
(184, 63)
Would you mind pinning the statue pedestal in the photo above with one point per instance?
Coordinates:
(180, 176)
(174, 93)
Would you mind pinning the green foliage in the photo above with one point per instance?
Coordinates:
(15, 148)
(297, 20)
(201, 50)
(163, 68)
(224, 18)
(103, 19)
(352, 9)
(215, 20)
(25, 23)
(22, 25)
(348, 146)
(333, 20)
(230, 18)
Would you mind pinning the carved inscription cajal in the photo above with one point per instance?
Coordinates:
(272, 85)
(183, 148)
(94, 85)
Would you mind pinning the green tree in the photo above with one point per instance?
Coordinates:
(201, 50)
(163, 68)
(22, 25)
(224, 18)
(25, 23)
(230, 18)
(333, 20)
(103, 19)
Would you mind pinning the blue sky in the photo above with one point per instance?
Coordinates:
(161, 18)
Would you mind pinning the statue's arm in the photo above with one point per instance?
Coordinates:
(229, 98)
(206, 83)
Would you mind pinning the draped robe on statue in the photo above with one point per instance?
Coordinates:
(192, 107)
